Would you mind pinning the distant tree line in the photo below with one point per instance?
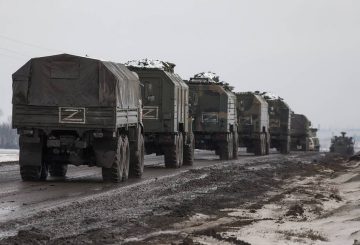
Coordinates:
(8, 136)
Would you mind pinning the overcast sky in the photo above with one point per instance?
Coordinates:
(306, 51)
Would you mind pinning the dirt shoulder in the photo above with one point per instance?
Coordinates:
(294, 199)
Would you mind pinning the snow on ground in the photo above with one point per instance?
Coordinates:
(331, 218)
(9, 155)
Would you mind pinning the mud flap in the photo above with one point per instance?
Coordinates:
(105, 151)
(31, 150)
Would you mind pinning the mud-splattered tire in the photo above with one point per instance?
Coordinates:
(115, 172)
(34, 173)
(258, 146)
(137, 159)
(267, 140)
(58, 170)
(235, 145)
(126, 158)
(189, 151)
(226, 148)
(174, 153)
(285, 147)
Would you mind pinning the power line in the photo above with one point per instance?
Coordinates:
(28, 44)
(13, 57)
(15, 52)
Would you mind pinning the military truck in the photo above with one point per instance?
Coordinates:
(300, 133)
(342, 144)
(166, 118)
(77, 110)
(253, 122)
(315, 140)
(212, 106)
(280, 123)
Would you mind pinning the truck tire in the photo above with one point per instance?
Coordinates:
(34, 173)
(115, 172)
(226, 149)
(58, 170)
(285, 147)
(174, 153)
(263, 140)
(235, 145)
(189, 151)
(137, 159)
(267, 150)
(126, 158)
(258, 146)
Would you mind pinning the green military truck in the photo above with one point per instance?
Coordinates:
(314, 139)
(77, 110)
(300, 133)
(342, 144)
(212, 105)
(166, 118)
(253, 122)
(280, 123)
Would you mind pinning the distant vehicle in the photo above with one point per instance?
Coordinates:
(212, 105)
(315, 139)
(253, 122)
(342, 144)
(300, 133)
(280, 123)
(76, 110)
(166, 117)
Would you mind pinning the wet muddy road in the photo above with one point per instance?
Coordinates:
(213, 202)
(19, 199)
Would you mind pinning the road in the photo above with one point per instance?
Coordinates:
(21, 199)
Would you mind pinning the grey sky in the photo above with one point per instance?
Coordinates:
(306, 51)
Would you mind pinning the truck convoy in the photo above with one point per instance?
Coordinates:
(342, 144)
(300, 133)
(212, 106)
(280, 123)
(167, 124)
(76, 110)
(253, 122)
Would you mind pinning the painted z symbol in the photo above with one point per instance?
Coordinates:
(70, 117)
(148, 111)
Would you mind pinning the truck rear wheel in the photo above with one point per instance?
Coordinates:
(189, 151)
(285, 147)
(267, 150)
(34, 173)
(236, 145)
(174, 153)
(137, 158)
(32, 164)
(115, 172)
(58, 170)
(258, 146)
(226, 149)
(126, 158)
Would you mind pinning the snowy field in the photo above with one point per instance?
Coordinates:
(9, 155)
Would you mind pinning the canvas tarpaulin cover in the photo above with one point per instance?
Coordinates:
(68, 80)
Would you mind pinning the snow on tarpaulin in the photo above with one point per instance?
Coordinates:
(210, 75)
(271, 96)
(151, 64)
